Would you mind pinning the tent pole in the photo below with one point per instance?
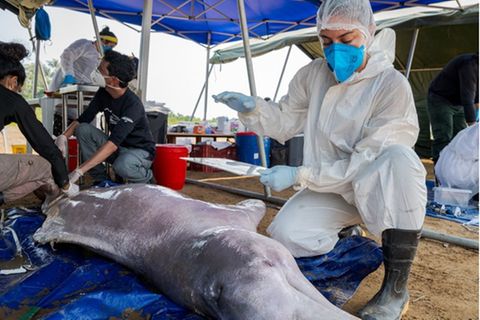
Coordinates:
(281, 74)
(95, 26)
(251, 78)
(37, 64)
(459, 5)
(145, 49)
(412, 52)
(200, 96)
(207, 65)
(35, 48)
(246, 47)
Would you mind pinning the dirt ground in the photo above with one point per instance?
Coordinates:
(444, 280)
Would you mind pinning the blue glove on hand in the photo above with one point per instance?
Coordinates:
(236, 101)
(279, 177)
(69, 79)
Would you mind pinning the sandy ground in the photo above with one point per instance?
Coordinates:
(444, 280)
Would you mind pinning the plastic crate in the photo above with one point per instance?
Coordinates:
(451, 196)
(207, 151)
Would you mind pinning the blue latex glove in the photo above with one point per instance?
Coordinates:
(236, 101)
(279, 177)
(69, 79)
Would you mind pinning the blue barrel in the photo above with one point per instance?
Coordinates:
(247, 148)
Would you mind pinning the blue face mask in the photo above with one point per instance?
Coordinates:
(344, 59)
(106, 48)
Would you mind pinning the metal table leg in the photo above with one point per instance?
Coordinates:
(65, 120)
(79, 112)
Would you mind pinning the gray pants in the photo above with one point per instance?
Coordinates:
(23, 174)
(129, 163)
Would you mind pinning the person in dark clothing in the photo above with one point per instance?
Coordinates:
(452, 99)
(130, 146)
(23, 174)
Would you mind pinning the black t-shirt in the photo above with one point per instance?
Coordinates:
(458, 83)
(126, 117)
(13, 108)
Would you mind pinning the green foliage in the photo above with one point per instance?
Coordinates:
(49, 69)
(174, 118)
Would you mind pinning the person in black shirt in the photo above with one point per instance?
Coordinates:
(130, 146)
(452, 98)
(23, 174)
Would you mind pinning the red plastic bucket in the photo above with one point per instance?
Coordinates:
(168, 169)
(72, 153)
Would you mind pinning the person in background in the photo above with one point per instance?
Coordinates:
(360, 123)
(77, 63)
(23, 174)
(80, 59)
(452, 100)
(457, 165)
(130, 146)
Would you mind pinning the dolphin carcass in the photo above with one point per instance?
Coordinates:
(206, 257)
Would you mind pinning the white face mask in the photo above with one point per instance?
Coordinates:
(97, 79)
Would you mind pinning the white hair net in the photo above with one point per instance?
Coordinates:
(347, 15)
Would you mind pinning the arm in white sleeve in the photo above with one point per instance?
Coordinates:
(284, 120)
(393, 121)
(70, 54)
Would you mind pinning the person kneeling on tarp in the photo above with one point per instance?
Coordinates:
(360, 123)
(22, 174)
(130, 146)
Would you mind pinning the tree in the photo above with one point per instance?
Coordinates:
(49, 69)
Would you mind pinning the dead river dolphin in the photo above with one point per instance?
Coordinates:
(206, 257)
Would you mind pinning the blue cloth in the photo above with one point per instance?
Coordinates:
(73, 283)
(42, 25)
(69, 79)
(106, 184)
(212, 26)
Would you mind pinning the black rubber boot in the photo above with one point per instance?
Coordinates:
(391, 302)
(2, 199)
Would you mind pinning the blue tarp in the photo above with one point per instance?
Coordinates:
(199, 20)
(72, 283)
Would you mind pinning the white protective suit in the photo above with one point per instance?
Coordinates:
(457, 166)
(79, 59)
(358, 159)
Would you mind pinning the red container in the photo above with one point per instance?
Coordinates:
(168, 169)
(72, 153)
(207, 151)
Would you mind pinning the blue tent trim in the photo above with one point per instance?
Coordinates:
(72, 283)
(211, 22)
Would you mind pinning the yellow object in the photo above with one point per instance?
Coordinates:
(19, 148)
(109, 38)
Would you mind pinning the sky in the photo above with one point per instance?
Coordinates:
(177, 66)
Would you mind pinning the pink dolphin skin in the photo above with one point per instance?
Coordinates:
(206, 257)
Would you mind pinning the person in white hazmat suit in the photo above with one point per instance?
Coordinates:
(360, 123)
(80, 59)
(457, 166)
